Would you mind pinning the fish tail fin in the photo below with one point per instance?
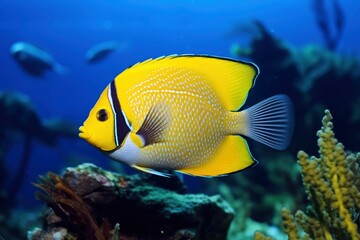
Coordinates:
(269, 122)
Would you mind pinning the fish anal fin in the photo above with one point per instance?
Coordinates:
(155, 124)
(152, 171)
(232, 156)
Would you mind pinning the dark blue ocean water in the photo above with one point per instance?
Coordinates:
(67, 29)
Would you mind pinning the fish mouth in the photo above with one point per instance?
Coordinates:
(84, 134)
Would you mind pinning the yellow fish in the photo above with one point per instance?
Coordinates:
(181, 113)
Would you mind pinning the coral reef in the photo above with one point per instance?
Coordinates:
(332, 184)
(13, 225)
(258, 194)
(88, 202)
(259, 236)
(19, 122)
(302, 73)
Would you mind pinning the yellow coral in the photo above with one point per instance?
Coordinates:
(259, 236)
(290, 225)
(332, 185)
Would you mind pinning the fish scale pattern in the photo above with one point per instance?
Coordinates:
(198, 119)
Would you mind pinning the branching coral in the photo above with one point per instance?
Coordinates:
(68, 204)
(332, 186)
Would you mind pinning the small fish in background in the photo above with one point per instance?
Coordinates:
(34, 60)
(181, 113)
(102, 50)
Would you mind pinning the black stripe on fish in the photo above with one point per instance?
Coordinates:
(121, 128)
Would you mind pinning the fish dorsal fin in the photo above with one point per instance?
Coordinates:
(155, 124)
(230, 79)
(232, 156)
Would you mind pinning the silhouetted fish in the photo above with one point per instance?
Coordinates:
(34, 60)
(101, 50)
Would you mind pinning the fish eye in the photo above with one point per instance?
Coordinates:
(102, 115)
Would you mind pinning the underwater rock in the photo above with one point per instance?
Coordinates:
(87, 202)
(55, 233)
(34, 60)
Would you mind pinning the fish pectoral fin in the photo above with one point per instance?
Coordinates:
(232, 156)
(155, 124)
(152, 171)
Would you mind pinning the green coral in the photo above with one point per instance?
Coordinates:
(332, 185)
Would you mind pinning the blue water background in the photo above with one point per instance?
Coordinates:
(67, 29)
